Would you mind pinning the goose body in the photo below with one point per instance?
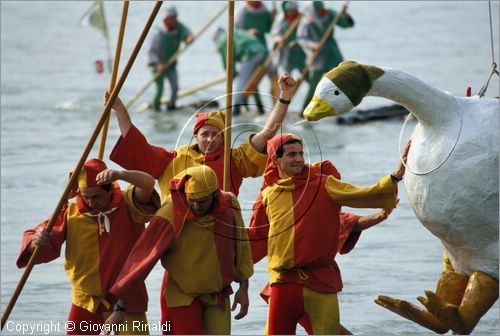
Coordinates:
(458, 201)
(451, 179)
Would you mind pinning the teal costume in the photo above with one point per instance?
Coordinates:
(164, 45)
(310, 31)
(291, 55)
(250, 53)
(259, 19)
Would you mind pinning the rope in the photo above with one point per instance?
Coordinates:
(447, 156)
(494, 65)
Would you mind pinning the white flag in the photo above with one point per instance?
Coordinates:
(94, 16)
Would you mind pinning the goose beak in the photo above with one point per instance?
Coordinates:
(318, 109)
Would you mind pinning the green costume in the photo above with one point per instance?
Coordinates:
(249, 51)
(259, 19)
(291, 55)
(164, 45)
(309, 34)
(245, 46)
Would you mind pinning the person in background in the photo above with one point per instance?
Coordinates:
(297, 209)
(310, 31)
(200, 237)
(257, 20)
(166, 42)
(291, 55)
(249, 53)
(99, 229)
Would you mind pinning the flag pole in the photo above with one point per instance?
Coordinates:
(114, 74)
(97, 18)
(106, 34)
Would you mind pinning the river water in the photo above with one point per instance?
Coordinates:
(51, 99)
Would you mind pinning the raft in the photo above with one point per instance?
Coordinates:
(394, 111)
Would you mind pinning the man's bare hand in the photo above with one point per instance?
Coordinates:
(108, 176)
(40, 238)
(117, 104)
(400, 170)
(253, 31)
(287, 84)
(241, 297)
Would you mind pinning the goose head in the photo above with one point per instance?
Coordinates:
(341, 89)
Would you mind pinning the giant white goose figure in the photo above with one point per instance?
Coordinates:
(457, 202)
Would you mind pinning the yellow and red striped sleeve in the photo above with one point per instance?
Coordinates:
(379, 195)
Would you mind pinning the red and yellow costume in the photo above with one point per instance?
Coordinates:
(134, 152)
(203, 255)
(299, 217)
(96, 249)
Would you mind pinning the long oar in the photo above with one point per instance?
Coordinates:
(172, 59)
(186, 92)
(114, 74)
(322, 42)
(86, 151)
(196, 88)
(229, 96)
(257, 76)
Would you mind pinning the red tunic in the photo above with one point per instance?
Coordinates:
(93, 260)
(300, 217)
(134, 152)
(203, 256)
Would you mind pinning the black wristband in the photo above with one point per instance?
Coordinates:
(284, 101)
(119, 308)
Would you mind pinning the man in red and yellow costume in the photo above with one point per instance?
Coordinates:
(297, 215)
(200, 237)
(132, 151)
(99, 229)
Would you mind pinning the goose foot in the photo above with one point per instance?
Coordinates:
(413, 313)
(480, 294)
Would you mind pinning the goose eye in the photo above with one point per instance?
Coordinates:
(337, 92)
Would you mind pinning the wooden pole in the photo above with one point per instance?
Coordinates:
(86, 151)
(321, 42)
(229, 96)
(186, 92)
(257, 76)
(196, 88)
(172, 59)
(114, 74)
